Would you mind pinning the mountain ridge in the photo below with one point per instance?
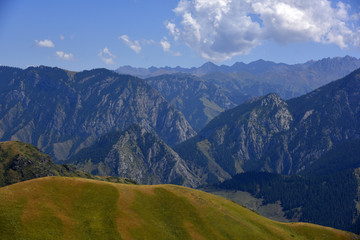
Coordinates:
(210, 67)
(136, 154)
(270, 134)
(61, 112)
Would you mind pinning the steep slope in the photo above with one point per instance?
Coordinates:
(61, 112)
(269, 134)
(199, 100)
(136, 154)
(236, 140)
(20, 162)
(64, 208)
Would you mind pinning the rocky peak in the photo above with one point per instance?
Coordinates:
(138, 154)
(272, 99)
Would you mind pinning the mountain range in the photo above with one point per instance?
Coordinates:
(111, 124)
(273, 135)
(339, 65)
(62, 112)
(200, 97)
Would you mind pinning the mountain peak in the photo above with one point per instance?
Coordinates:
(271, 99)
(138, 154)
(209, 66)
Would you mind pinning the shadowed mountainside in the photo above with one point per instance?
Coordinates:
(21, 161)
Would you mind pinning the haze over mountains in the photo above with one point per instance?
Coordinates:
(202, 96)
(256, 67)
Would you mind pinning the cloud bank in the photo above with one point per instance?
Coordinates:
(221, 29)
(45, 43)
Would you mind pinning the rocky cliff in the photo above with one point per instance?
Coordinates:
(136, 154)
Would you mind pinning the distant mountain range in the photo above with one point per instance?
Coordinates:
(201, 97)
(327, 66)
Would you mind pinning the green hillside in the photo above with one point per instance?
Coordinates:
(74, 208)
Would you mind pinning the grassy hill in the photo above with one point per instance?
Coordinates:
(74, 208)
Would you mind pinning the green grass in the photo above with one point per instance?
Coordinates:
(74, 208)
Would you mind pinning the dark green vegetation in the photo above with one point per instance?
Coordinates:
(341, 157)
(328, 200)
(20, 162)
(273, 135)
(136, 154)
(326, 193)
(62, 112)
(70, 208)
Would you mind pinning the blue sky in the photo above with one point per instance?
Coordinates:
(78, 35)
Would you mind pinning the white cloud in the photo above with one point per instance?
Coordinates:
(65, 56)
(45, 43)
(134, 45)
(62, 37)
(166, 46)
(220, 29)
(106, 56)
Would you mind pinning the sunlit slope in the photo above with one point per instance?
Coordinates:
(74, 208)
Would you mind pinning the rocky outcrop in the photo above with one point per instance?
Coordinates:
(62, 112)
(136, 154)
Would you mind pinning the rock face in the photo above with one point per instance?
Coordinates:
(62, 112)
(136, 154)
(270, 134)
(199, 100)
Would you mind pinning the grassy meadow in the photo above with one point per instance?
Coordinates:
(75, 208)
